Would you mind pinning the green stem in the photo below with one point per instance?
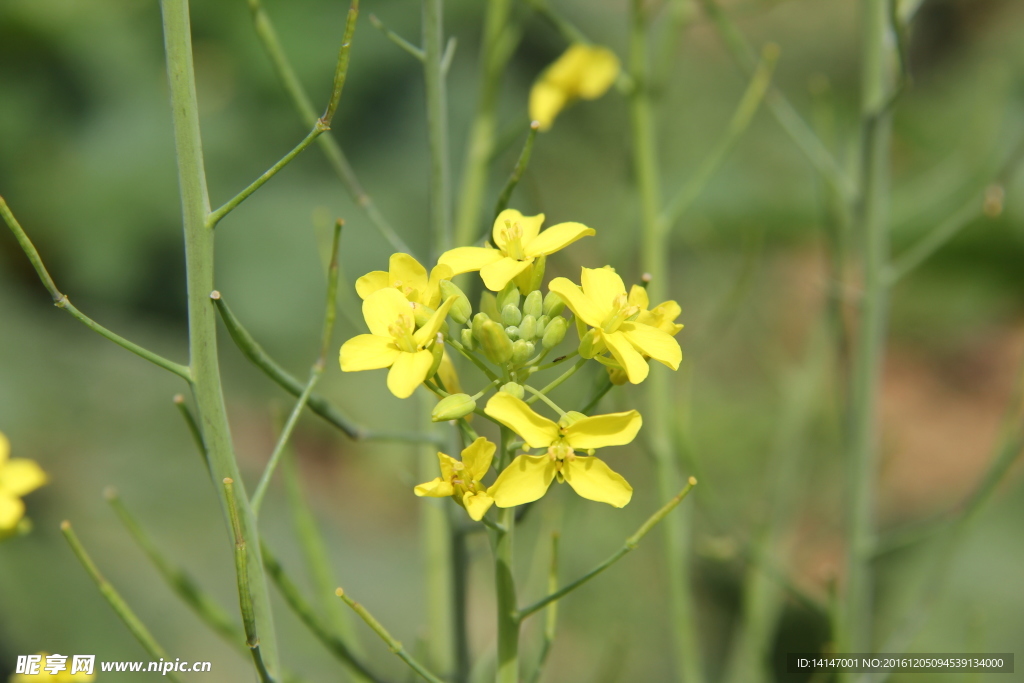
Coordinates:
(539, 394)
(393, 645)
(494, 56)
(517, 173)
(341, 68)
(472, 358)
(193, 428)
(557, 381)
(199, 242)
(61, 301)
(505, 585)
(551, 622)
(398, 40)
(631, 543)
(437, 125)
(120, 607)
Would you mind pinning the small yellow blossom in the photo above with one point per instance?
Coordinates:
(62, 676)
(663, 316)
(603, 304)
(528, 477)
(394, 342)
(519, 242)
(409, 277)
(582, 72)
(18, 476)
(462, 480)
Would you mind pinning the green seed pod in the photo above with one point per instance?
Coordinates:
(467, 338)
(478, 320)
(453, 407)
(521, 352)
(495, 343)
(554, 332)
(461, 310)
(513, 389)
(510, 315)
(553, 304)
(528, 327)
(513, 332)
(588, 344)
(508, 295)
(534, 304)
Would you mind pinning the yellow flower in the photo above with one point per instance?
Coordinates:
(519, 241)
(663, 316)
(394, 342)
(407, 276)
(461, 480)
(528, 477)
(582, 72)
(18, 476)
(602, 303)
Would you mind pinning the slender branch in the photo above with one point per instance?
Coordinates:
(331, 300)
(569, 32)
(631, 543)
(416, 52)
(551, 623)
(517, 172)
(558, 380)
(193, 427)
(538, 394)
(114, 599)
(472, 357)
(282, 443)
(341, 69)
(267, 35)
(395, 646)
(449, 54)
(61, 301)
(437, 125)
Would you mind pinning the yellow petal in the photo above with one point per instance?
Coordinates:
(628, 357)
(600, 70)
(530, 226)
(408, 372)
(602, 285)
(546, 101)
(405, 271)
(594, 480)
(477, 504)
(449, 466)
(11, 511)
(429, 330)
(556, 237)
(657, 344)
(20, 476)
(371, 282)
(467, 259)
(638, 297)
(526, 479)
(437, 274)
(383, 308)
(477, 458)
(498, 274)
(585, 308)
(536, 430)
(614, 429)
(438, 488)
(367, 352)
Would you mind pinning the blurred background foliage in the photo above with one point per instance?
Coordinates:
(86, 162)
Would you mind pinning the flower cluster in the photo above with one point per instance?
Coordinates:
(18, 477)
(412, 316)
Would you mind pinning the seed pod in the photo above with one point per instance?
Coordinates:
(534, 304)
(478, 320)
(461, 310)
(495, 343)
(508, 295)
(588, 344)
(467, 338)
(521, 352)
(453, 407)
(513, 389)
(553, 304)
(554, 332)
(510, 315)
(528, 328)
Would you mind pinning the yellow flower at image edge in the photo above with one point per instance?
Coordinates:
(63, 676)
(461, 480)
(519, 241)
(582, 72)
(528, 477)
(603, 304)
(394, 342)
(409, 277)
(18, 477)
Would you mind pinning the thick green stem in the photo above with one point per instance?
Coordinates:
(437, 125)
(199, 240)
(504, 582)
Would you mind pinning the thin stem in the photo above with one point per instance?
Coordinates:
(505, 584)
(558, 380)
(331, 300)
(551, 622)
(193, 427)
(631, 543)
(199, 241)
(398, 40)
(393, 645)
(114, 599)
(539, 394)
(556, 362)
(282, 443)
(61, 301)
(341, 68)
(472, 357)
(437, 125)
(517, 173)
(267, 35)
(570, 33)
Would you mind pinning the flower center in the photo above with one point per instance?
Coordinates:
(401, 331)
(513, 236)
(406, 289)
(561, 451)
(620, 313)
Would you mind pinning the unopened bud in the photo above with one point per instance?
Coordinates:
(453, 407)
(467, 338)
(510, 315)
(521, 352)
(570, 418)
(528, 327)
(554, 332)
(489, 305)
(423, 313)
(478, 320)
(508, 295)
(438, 350)
(542, 324)
(495, 343)
(534, 304)
(513, 332)
(461, 310)
(537, 273)
(588, 344)
(553, 304)
(513, 389)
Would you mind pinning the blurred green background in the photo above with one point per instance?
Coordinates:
(87, 164)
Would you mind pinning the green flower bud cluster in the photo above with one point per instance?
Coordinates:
(524, 325)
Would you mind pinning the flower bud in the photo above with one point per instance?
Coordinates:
(438, 350)
(554, 332)
(513, 332)
(489, 305)
(553, 304)
(528, 327)
(422, 314)
(588, 344)
(461, 310)
(513, 389)
(453, 407)
(510, 315)
(495, 343)
(537, 273)
(521, 352)
(534, 304)
(542, 324)
(478, 320)
(467, 338)
(508, 295)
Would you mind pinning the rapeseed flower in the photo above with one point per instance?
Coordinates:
(18, 477)
(582, 72)
(528, 477)
(462, 479)
(405, 274)
(394, 342)
(663, 316)
(519, 243)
